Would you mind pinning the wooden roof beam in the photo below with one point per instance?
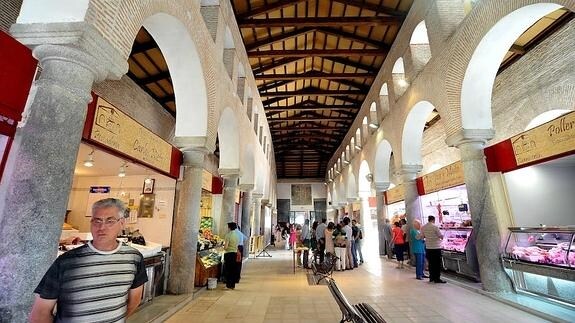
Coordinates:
(311, 91)
(315, 75)
(351, 36)
(320, 22)
(268, 8)
(318, 52)
(274, 65)
(358, 65)
(278, 38)
(378, 9)
(303, 107)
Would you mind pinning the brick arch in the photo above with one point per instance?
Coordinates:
(119, 23)
(477, 51)
(229, 134)
(412, 134)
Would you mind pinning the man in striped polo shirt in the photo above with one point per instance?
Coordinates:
(101, 281)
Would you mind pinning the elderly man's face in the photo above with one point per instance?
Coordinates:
(106, 224)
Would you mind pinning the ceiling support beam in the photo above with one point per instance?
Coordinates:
(320, 22)
(312, 92)
(318, 52)
(278, 38)
(315, 75)
(269, 8)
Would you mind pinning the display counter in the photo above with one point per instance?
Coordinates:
(208, 265)
(541, 260)
(458, 252)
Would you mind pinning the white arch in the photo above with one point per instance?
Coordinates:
(398, 67)
(412, 135)
(228, 134)
(381, 169)
(364, 183)
(351, 186)
(419, 35)
(482, 69)
(247, 168)
(185, 67)
(546, 117)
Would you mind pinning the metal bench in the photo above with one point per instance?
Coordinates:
(359, 313)
(325, 269)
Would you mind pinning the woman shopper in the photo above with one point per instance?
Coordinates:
(398, 242)
(231, 242)
(340, 243)
(418, 249)
(329, 246)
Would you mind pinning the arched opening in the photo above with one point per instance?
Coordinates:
(545, 117)
(412, 135)
(351, 189)
(364, 129)
(381, 171)
(400, 83)
(185, 68)
(384, 100)
(358, 141)
(419, 48)
(373, 117)
(477, 85)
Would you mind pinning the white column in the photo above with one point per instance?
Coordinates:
(412, 203)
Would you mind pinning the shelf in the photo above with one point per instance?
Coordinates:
(566, 273)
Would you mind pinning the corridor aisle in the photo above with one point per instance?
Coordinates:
(270, 292)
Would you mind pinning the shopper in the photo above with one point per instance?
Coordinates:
(388, 239)
(241, 243)
(351, 262)
(321, 239)
(357, 237)
(305, 240)
(340, 245)
(398, 243)
(430, 232)
(292, 236)
(108, 276)
(231, 243)
(418, 249)
(405, 229)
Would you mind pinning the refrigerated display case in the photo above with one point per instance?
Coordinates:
(458, 252)
(541, 261)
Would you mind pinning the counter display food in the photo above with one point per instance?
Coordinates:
(541, 260)
(458, 251)
(208, 265)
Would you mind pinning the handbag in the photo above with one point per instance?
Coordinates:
(238, 256)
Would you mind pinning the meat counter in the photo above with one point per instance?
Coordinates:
(541, 261)
(458, 251)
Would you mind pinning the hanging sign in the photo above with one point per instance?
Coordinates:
(549, 139)
(446, 177)
(114, 129)
(395, 194)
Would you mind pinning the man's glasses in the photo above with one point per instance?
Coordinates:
(106, 222)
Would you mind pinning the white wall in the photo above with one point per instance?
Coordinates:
(542, 194)
(156, 229)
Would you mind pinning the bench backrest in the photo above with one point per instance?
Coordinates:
(348, 312)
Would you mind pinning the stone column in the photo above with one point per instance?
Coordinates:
(381, 213)
(257, 214)
(485, 227)
(228, 199)
(39, 171)
(246, 224)
(412, 204)
(265, 204)
(187, 224)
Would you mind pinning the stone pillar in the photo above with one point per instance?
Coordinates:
(381, 213)
(39, 171)
(246, 224)
(257, 214)
(485, 227)
(412, 204)
(265, 204)
(228, 199)
(187, 224)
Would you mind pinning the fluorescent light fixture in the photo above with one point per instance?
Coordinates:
(90, 161)
(346, 162)
(122, 172)
(358, 147)
(373, 125)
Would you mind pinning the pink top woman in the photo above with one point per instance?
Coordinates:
(292, 235)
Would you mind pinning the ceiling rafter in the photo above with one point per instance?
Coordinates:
(278, 38)
(320, 22)
(347, 62)
(268, 8)
(312, 91)
(318, 52)
(315, 75)
(351, 36)
(378, 9)
(276, 64)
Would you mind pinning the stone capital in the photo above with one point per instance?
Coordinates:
(265, 202)
(229, 172)
(194, 157)
(105, 61)
(381, 186)
(470, 135)
(191, 142)
(246, 187)
(410, 171)
(257, 196)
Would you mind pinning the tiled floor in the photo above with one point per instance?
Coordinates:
(270, 292)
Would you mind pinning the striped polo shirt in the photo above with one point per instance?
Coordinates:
(92, 285)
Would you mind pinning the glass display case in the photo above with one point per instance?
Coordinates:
(211, 257)
(541, 260)
(458, 252)
(208, 265)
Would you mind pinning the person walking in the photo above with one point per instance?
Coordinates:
(321, 239)
(305, 240)
(358, 237)
(241, 243)
(328, 233)
(351, 262)
(418, 249)
(292, 236)
(102, 280)
(387, 237)
(231, 243)
(430, 232)
(398, 243)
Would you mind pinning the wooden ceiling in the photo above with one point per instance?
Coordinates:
(314, 62)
